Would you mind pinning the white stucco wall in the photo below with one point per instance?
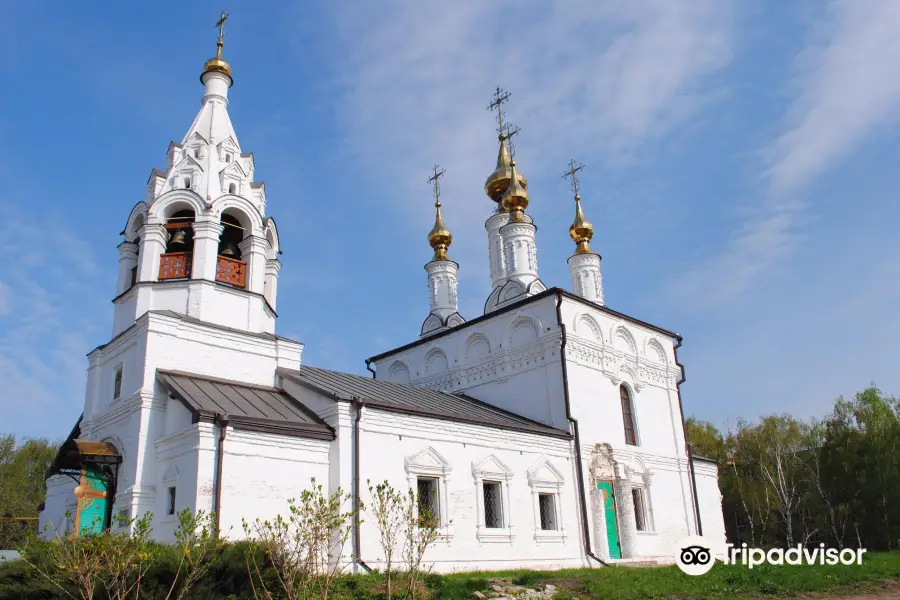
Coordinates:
(510, 360)
(262, 471)
(144, 424)
(710, 501)
(390, 442)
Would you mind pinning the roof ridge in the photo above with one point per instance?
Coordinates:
(215, 379)
(421, 401)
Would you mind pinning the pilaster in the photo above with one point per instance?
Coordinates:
(206, 249)
(598, 512)
(496, 250)
(625, 511)
(270, 289)
(254, 250)
(153, 241)
(128, 259)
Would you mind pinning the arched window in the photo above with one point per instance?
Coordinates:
(232, 188)
(232, 235)
(628, 416)
(181, 234)
(175, 263)
(187, 183)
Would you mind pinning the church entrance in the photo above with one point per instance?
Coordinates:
(95, 468)
(609, 511)
(92, 504)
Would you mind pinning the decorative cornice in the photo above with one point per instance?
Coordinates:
(611, 361)
(496, 366)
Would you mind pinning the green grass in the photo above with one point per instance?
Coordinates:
(732, 581)
(228, 580)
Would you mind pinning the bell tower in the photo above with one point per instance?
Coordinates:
(200, 243)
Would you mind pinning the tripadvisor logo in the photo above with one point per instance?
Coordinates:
(694, 555)
(798, 555)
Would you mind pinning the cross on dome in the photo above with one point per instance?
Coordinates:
(439, 238)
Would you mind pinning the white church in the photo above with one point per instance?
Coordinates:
(549, 430)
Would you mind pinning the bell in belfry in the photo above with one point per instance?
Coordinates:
(229, 249)
(177, 242)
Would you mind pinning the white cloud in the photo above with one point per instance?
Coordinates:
(44, 339)
(593, 80)
(848, 82)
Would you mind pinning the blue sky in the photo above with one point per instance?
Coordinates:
(741, 172)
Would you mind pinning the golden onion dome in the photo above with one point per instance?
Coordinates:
(498, 181)
(581, 230)
(217, 64)
(439, 238)
(515, 198)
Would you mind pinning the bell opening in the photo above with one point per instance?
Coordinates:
(232, 236)
(181, 233)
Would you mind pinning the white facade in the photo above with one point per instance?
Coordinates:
(558, 364)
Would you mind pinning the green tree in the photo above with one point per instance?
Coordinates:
(22, 468)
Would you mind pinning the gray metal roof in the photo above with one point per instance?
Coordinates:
(247, 406)
(414, 400)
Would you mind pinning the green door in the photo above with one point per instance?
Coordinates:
(609, 509)
(91, 492)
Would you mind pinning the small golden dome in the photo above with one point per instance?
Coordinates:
(515, 198)
(439, 238)
(581, 230)
(217, 64)
(498, 181)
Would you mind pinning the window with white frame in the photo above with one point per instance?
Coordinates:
(547, 511)
(492, 479)
(117, 382)
(427, 497)
(628, 416)
(640, 509)
(170, 500)
(546, 482)
(427, 473)
(170, 485)
(492, 494)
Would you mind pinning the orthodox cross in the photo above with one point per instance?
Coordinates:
(507, 136)
(573, 169)
(434, 179)
(500, 96)
(221, 25)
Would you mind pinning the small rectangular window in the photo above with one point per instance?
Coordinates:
(123, 518)
(228, 157)
(493, 507)
(640, 511)
(117, 383)
(547, 508)
(133, 277)
(170, 509)
(428, 505)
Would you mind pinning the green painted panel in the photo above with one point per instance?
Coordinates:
(609, 509)
(92, 517)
